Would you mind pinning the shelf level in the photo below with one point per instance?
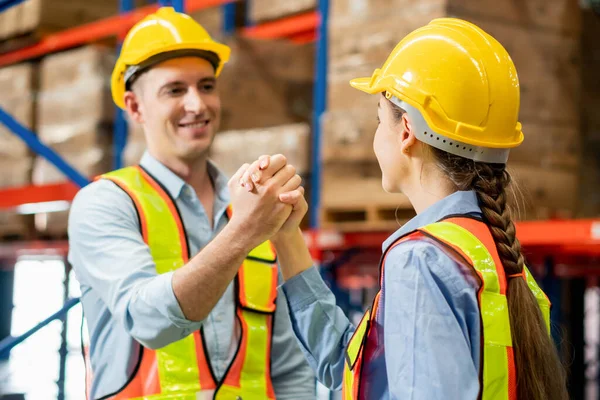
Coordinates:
(112, 26)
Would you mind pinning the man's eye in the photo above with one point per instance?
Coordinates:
(176, 91)
(208, 87)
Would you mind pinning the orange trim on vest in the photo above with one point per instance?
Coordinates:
(270, 390)
(234, 376)
(206, 379)
(138, 206)
(172, 209)
(482, 232)
(274, 279)
(145, 380)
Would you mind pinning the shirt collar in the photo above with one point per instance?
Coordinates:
(174, 184)
(461, 202)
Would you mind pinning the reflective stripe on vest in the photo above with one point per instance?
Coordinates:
(472, 240)
(181, 369)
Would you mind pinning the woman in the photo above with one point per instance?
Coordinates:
(458, 315)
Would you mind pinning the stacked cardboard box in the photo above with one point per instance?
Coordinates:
(17, 85)
(231, 149)
(590, 124)
(44, 16)
(264, 10)
(542, 40)
(74, 118)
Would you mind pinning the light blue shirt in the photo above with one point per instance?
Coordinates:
(124, 300)
(429, 313)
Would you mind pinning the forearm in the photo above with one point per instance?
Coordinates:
(320, 325)
(292, 254)
(199, 285)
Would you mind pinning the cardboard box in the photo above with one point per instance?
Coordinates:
(261, 10)
(266, 83)
(560, 16)
(17, 99)
(232, 149)
(15, 171)
(211, 19)
(555, 146)
(348, 135)
(75, 86)
(543, 193)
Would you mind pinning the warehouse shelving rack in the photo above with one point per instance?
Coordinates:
(560, 249)
(300, 28)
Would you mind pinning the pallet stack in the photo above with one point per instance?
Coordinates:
(74, 118)
(266, 10)
(17, 85)
(542, 38)
(31, 20)
(590, 117)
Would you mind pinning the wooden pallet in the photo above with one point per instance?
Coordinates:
(354, 200)
(370, 217)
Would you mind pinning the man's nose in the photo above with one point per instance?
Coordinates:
(193, 101)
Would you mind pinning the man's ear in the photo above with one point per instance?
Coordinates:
(407, 135)
(133, 106)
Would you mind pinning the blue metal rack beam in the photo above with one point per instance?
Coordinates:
(33, 142)
(120, 127)
(319, 106)
(6, 4)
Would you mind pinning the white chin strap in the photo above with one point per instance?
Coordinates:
(427, 135)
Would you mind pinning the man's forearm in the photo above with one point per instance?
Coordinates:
(199, 285)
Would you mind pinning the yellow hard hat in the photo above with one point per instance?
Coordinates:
(461, 86)
(162, 35)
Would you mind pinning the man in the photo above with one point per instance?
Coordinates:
(179, 290)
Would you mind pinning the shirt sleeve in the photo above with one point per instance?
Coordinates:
(321, 327)
(109, 256)
(292, 376)
(431, 333)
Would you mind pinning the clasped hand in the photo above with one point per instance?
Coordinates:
(267, 198)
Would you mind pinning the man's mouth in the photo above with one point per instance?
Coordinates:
(195, 124)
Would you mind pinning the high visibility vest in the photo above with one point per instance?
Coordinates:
(182, 370)
(471, 240)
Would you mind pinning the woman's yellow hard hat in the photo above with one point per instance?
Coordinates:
(463, 84)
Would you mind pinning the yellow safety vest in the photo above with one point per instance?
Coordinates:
(181, 369)
(471, 240)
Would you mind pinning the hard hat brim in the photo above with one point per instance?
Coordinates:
(364, 85)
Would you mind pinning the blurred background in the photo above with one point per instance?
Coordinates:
(286, 90)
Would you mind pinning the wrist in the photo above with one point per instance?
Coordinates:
(283, 237)
(240, 236)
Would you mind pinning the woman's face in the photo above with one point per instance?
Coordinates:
(387, 145)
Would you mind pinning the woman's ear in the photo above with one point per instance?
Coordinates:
(407, 135)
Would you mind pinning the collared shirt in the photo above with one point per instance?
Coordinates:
(124, 300)
(429, 314)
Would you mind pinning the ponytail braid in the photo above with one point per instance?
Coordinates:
(540, 375)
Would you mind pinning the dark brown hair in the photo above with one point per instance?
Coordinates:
(540, 375)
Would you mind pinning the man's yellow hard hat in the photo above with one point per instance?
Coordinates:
(463, 84)
(162, 35)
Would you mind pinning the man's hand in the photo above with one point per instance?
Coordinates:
(258, 212)
(260, 172)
